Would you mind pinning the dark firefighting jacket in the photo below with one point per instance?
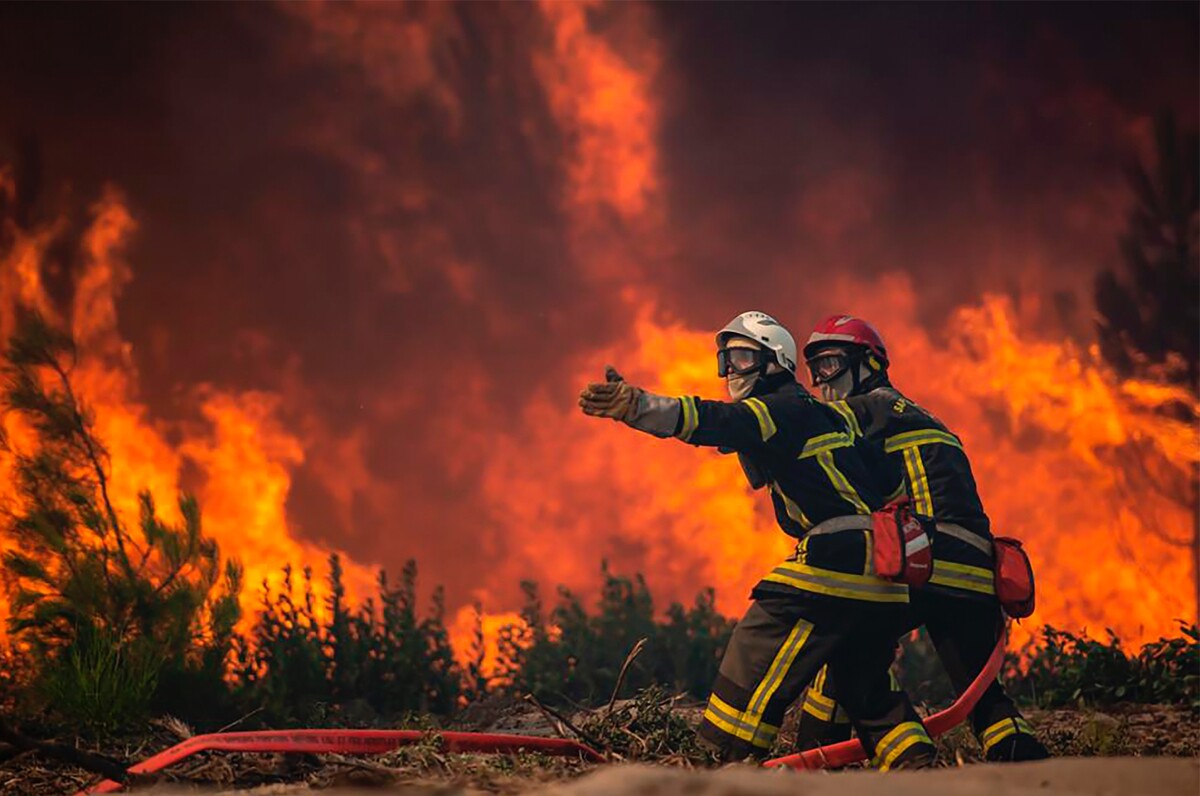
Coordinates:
(801, 449)
(913, 447)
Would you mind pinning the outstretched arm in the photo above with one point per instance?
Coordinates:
(741, 426)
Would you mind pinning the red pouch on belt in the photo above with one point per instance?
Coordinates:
(1014, 577)
(901, 544)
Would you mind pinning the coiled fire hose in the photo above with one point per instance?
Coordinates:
(379, 741)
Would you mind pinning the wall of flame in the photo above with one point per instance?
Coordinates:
(341, 270)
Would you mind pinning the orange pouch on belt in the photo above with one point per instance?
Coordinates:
(901, 545)
(1014, 577)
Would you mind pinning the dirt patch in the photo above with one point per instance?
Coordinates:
(1142, 730)
(1082, 776)
(1069, 776)
(656, 736)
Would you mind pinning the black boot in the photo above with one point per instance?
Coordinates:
(1017, 748)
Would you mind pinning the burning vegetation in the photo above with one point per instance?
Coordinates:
(208, 462)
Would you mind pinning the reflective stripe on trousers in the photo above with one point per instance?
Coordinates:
(897, 742)
(1001, 730)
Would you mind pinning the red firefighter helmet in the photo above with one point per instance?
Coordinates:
(845, 329)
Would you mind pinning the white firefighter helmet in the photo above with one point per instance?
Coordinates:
(767, 332)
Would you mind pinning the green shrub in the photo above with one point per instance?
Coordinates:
(297, 668)
(573, 656)
(1169, 669)
(1065, 669)
(694, 640)
(647, 727)
(101, 683)
(192, 686)
(100, 601)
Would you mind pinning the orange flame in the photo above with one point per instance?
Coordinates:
(1045, 426)
(1049, 430)
(244, 456)
(468, 630)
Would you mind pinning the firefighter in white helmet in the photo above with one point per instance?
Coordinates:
(818, 606)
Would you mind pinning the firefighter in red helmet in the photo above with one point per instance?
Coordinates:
(848, 362)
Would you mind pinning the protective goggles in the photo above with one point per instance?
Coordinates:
(827, 366)
(741, 361)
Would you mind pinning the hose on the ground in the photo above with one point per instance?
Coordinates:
(379, 741)
(848, 752)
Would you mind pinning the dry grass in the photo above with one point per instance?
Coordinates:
(654, 727)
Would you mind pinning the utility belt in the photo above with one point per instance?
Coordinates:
(963, 535)
(901, 552)
(900, 543)
(1010, 564)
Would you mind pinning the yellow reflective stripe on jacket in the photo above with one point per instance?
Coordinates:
(837, 584)
(840, 483)
(824, 443)
(918, 482)
(792, 507)
(843, 409)
(894, 744)
(915, 439)
(730, 720)
(691, 417)
(766, 425)
(910, 443)
(963, 576)
(1001, 730)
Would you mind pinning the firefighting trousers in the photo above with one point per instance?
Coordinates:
(777, 649)
(964, 632)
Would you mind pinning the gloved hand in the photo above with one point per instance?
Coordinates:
(614, 397)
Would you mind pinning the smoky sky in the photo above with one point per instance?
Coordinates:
(387, 242)
(974, 123)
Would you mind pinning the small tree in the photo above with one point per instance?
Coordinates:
(284, 664)
(572, 655)
(104, 608)
(1149, 317)
(298, 666)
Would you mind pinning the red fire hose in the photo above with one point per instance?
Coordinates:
(379, 741)
(348, 742)
(847, 752)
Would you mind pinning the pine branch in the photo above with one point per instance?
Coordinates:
(96, 764)
(93, 456)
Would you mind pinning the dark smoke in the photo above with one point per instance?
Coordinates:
(369, 216)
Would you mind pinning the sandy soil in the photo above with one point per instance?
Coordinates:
(1126, 776)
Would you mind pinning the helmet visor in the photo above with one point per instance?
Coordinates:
(828, 366)
(739, 360)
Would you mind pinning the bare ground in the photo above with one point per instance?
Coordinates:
(1126, 776)
(1077, 737)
